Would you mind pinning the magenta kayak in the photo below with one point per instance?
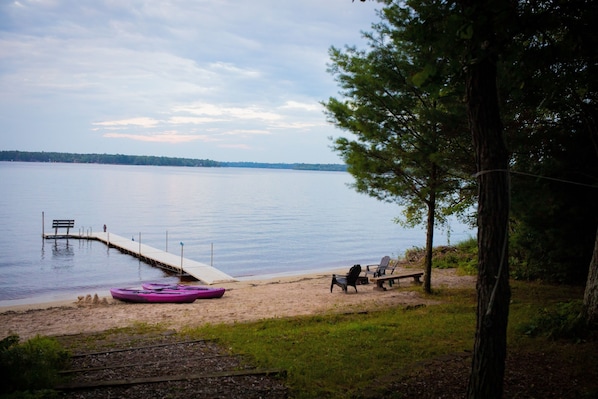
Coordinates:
(201, 291)
(153, 296)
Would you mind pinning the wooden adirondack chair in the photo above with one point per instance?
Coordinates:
(378, 270)
(350, 279)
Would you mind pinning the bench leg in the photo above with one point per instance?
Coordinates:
(379, 286)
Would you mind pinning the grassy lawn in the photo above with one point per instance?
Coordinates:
(344, 355)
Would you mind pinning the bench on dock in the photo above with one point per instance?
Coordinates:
(392, 277)
(62, 224)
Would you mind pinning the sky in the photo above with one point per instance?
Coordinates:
(226, 80)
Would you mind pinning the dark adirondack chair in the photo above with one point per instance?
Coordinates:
(350, 279)
(378, 270)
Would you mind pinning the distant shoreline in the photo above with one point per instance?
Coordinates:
(120, 159)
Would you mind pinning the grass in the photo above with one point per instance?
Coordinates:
(322, 353)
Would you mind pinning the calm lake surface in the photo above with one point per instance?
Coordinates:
(249, 223)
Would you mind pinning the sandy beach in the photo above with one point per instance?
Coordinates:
(243, 301)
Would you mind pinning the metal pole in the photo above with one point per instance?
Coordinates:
(182, 245)
(43, 231)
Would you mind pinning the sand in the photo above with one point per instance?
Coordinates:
(243, 301)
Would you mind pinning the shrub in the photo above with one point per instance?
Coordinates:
(561, 322)
(463, 256)
(29, 366)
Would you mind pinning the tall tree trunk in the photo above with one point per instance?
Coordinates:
(493, 291)
(590, 298)
(429, 242)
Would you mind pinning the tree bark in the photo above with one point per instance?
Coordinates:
(429, 242)
(590, 298)
(493, 291)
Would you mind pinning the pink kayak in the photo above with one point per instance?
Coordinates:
(202, 291)
(152, 296)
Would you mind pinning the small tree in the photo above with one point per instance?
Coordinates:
(411, 145)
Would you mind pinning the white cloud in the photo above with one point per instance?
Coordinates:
(165, 137)
(246, 133)
(228, 112)
(302, 106)
(182, 120)
(230, 69)
(141, 122)
(183, 71)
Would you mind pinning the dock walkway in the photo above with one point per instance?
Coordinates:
(155, 257)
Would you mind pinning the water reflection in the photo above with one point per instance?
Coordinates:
(63, 255)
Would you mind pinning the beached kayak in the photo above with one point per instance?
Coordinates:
(203, 292)
(153, 296)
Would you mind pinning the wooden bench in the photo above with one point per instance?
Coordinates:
(62, 224)
(392, 277)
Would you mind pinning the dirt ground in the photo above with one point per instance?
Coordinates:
(528, 376)
(243, 301)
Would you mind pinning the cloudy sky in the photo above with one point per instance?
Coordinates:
(228, 80)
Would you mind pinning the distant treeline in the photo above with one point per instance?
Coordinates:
(119, 159)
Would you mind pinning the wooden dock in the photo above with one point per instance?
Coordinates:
(155, 257)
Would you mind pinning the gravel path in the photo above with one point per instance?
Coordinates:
(162, 366)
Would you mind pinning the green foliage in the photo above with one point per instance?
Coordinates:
(322, 353)
(561, 321)
(30, 366)
(550, 83)
(37, 394)
(400, 102)
(554, 223)
(114, 159)
(548, 78)
(463, 256)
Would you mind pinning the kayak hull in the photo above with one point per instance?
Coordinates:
(152, 296)
(201, 291)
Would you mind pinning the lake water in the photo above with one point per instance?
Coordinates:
(246, 222)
